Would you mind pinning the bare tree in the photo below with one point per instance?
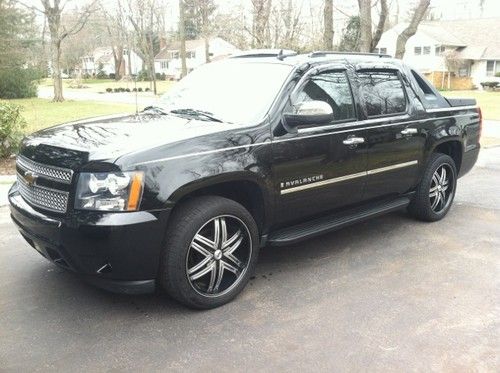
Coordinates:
(182, 36)
(116, 26)
(53, 10)
(379, 30)
(146, 18)
(328, 25)
(369, 40)
(285, 26)
(261, 10)
(202, 12)
(409, 31)
(365, 27)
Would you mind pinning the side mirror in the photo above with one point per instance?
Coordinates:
(310, 113)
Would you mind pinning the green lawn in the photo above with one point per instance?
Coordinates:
(41, 113)
(487, 100)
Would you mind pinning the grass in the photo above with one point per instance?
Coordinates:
(100, 85)
(41, 113)
(487, 100)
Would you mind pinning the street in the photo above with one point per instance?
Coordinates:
(390, 294)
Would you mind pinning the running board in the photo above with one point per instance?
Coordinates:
(312, 228)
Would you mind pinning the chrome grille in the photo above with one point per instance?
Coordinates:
(45, 198)
(63, 175)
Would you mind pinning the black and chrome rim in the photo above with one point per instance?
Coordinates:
(218, 256)
(441, 191)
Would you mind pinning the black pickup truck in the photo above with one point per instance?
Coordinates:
(257, 150)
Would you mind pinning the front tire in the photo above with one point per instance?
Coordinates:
(436, 191)
(210, 253)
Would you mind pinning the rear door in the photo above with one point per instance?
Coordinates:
(394, 143)
(318, 168)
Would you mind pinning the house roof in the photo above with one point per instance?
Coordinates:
(191, 45)
(176, 46)
(476, 38)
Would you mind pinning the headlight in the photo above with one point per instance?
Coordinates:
(104, 191)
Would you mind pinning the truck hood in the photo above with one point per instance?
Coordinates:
(107, 138)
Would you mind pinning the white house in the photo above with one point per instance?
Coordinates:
(168, 60)
(469, 50)
(102, 58)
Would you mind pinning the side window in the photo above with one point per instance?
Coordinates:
(333, 88)
(382, 92)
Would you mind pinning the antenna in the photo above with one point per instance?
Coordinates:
(135, 88)
(280, 55)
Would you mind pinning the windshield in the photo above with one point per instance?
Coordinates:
(232, 92)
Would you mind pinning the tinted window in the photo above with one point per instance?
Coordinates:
(382, 93)
(333, 88)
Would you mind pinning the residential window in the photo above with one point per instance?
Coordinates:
(427, 51)
(333, 88)
(492, 68)
(380, 50)
(439, 50)
(463, 71)
(190, 54)
(417, 51)
(125, 52)
(382, 92)
(164, 64)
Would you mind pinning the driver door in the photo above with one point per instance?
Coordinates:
(320, 168)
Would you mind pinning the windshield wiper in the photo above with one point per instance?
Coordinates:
(198, 114)
(156, 109)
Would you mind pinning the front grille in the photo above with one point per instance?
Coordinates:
(63, 175)
(42, 197)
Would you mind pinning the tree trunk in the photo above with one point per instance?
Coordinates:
(328, 25)
(56, 71)
(407, 33)
(207, 49)
(365, 27)
(151, 58)
(182, 36)
(118, 59)
(384, 10)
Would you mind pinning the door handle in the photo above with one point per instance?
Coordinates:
(409, 131)
(353, 141)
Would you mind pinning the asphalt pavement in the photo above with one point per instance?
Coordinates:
(390, 294)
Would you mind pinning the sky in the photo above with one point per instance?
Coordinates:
(312, 10)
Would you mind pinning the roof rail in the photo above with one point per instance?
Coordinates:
(256, 53)
(327, 53)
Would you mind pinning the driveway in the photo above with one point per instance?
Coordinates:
(390, 294)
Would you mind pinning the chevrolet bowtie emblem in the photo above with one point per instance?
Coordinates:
(30, 178)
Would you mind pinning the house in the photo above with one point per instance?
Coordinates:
(168, 60)
(101, 59)
(453, 54)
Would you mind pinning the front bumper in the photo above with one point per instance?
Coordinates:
(116, 251)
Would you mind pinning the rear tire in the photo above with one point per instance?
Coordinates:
(210, 253)
(436, 191)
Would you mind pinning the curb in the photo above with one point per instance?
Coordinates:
(7, 179)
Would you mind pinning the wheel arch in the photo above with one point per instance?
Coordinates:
(247, 190)
(452, 147)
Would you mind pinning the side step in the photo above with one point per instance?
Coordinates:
(312, 228)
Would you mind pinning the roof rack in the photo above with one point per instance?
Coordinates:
(258, 53)
(328, 53)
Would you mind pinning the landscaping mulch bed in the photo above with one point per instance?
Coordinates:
(8, 166)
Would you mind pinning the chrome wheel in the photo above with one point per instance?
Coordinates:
(441, 190)
(218, 255)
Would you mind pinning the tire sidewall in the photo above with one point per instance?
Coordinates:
(439, 160)
(176, 252)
